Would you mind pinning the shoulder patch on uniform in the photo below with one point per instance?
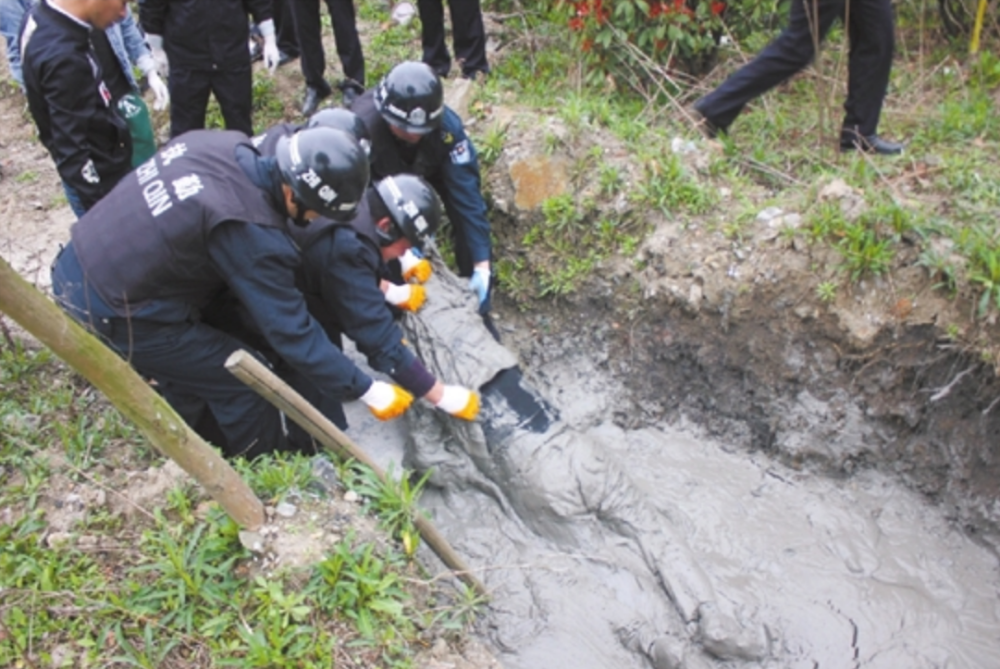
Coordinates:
(447, 137)
(461, 155)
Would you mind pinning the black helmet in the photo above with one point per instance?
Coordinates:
(414, 207)
(326, 169)
(339, 118)
(411, 97)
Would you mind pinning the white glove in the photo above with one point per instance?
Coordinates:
(271, 55)
(386, 401)
(479, 283)
(155, 43)
(459, 402)
(161, 96)
(415, 266)
(409, 297)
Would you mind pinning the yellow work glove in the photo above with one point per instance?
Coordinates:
(386, 401)
(415, 266)
(459, 402)
(408, 298)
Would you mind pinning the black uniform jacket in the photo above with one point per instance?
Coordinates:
(71, 104)
(204, 34)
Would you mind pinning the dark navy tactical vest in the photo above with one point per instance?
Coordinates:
(267, 142)
(148, 238)
(362, 224)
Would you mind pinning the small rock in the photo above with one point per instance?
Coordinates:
(351, 496)
(59, 539)
(285, 509)
(681, 146)
(769, 214)
(325, 474)
(252, 541)
(88, 541)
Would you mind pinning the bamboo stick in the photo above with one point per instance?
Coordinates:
(252, 372)
(154, 417)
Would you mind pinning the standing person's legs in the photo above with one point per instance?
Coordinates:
(468, 36)
(345, 34)
(233, 90)
(872, 36)
(793, 49)
(311, 56)
(432, 36)
(284, 25)
(189, 90)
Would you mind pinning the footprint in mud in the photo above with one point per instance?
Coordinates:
(553, 478)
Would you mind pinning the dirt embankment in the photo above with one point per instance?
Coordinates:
(731, 332)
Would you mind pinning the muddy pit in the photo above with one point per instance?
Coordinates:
(675, 493)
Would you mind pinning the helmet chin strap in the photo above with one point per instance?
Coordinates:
(300, 212)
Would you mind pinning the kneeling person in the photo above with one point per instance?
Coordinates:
(344, 275)
(208, 214)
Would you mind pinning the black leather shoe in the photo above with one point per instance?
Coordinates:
(871, 144)
(312, 100)
(350, 89)
(705, 125)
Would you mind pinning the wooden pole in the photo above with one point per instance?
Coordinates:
(130, 394)
(250, 371)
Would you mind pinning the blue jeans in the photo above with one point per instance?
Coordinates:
(11, 13)
(75, 203)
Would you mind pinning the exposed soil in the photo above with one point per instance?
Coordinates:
(731, 334)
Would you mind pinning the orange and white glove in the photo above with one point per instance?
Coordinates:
(408, 298)
(415, 266)
(459, 402)
(386, 400)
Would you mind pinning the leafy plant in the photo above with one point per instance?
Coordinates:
(395, 503)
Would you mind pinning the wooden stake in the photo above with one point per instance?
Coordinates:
(130, 394)
(252, 372)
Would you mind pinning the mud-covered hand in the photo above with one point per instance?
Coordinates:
(415, 266)
(459, 402)
(408, 298)
(271, 55)
(161, 96)
(387, 401)
(155, 43)
(479, 283)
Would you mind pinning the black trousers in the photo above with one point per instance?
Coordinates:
(284, 28)
(189, 90)
(468, 36)
(871, 33)
(345, 34)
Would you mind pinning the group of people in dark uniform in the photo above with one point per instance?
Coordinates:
(281, 243)
(284, 241)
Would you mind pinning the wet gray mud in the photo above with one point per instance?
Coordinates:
(617, 533)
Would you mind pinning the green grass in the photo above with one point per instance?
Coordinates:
(173, 586)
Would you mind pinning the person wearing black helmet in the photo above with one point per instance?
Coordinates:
(208, 213)
(414, 132)
(337, 118)
(344, 276)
